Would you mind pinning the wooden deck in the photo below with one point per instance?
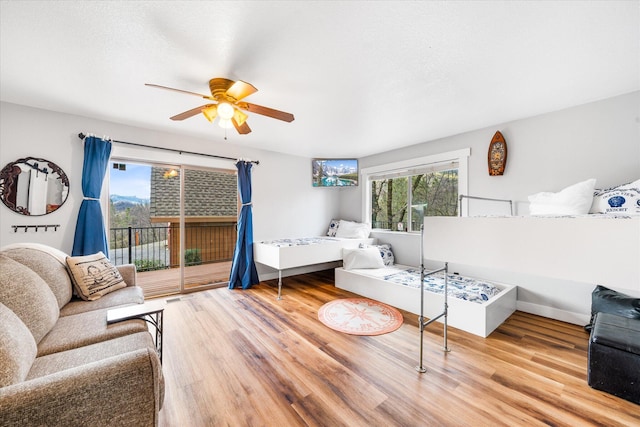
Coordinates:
(165, 282)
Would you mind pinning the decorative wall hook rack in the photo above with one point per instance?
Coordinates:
(27, 227)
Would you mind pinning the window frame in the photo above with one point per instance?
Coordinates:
(406, 166)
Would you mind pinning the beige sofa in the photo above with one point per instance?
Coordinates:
(60, 363)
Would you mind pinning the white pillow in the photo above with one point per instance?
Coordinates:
(385, 252)
(353, 230)
(620, 200)
(361, 258)
(573, 200)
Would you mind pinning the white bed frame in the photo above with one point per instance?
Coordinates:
(285, 257)
(478, 319)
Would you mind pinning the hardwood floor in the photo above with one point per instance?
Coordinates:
(241, 358)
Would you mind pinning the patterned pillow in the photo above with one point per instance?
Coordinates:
(385, 252)
(94, 276)
(333, 227)
(624, 200)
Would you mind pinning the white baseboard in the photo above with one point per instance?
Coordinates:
(553, 313)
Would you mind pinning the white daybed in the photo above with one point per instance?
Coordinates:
(283, 254)
(477, 318)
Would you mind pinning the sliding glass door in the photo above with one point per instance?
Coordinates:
(210, 215)
(177, 224)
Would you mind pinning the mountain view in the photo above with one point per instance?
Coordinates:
(122, 203)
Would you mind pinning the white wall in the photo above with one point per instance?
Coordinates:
(545, 153)
(284, 202)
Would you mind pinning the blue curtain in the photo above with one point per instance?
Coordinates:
(243, 269)
(90, 237)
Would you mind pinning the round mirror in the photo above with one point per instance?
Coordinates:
(32, 186)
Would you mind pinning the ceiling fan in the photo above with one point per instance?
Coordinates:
(228, 106)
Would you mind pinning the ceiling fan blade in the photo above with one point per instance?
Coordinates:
(240, 90)
(265, 111)
(179, 90)
(192, 112)
(242, 129)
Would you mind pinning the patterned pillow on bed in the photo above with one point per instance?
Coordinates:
(623, 199)
(385, 252)
(333, 227)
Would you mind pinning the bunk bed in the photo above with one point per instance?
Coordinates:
(595, 248)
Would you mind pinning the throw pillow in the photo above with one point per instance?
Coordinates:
(361, 258)
(385, 252)
(94, 276)
(333, 227)
(609, 301)
(353, 230)
(573, 200)
(623, 199)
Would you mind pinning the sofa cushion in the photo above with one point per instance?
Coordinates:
(84, 329)
(28, 296)
(73, 358)
(17, 348)
(49, 264)
(124, 296)
(94, 276)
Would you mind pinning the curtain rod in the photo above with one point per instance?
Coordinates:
(257, 162)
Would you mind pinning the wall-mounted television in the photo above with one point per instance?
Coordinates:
(334, 172)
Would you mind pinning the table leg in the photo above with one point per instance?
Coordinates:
(279, 285)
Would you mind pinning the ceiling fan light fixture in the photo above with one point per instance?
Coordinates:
(210, 112)
(225, 110)
(239, 117)
(225, 123)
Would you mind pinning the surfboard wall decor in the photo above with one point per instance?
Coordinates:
(497, 154)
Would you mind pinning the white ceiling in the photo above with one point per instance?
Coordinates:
(360, 77)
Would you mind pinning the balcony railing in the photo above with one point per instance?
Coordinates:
(386, 225)
(157, 247)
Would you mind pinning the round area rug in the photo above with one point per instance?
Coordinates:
(360, 316)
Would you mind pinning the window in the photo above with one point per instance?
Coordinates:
(399, 195)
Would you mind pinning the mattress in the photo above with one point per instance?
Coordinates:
(282, 254)
(464, 288)
(301, 241)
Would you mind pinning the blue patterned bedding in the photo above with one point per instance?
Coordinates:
(303, 241)
(460, 287)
